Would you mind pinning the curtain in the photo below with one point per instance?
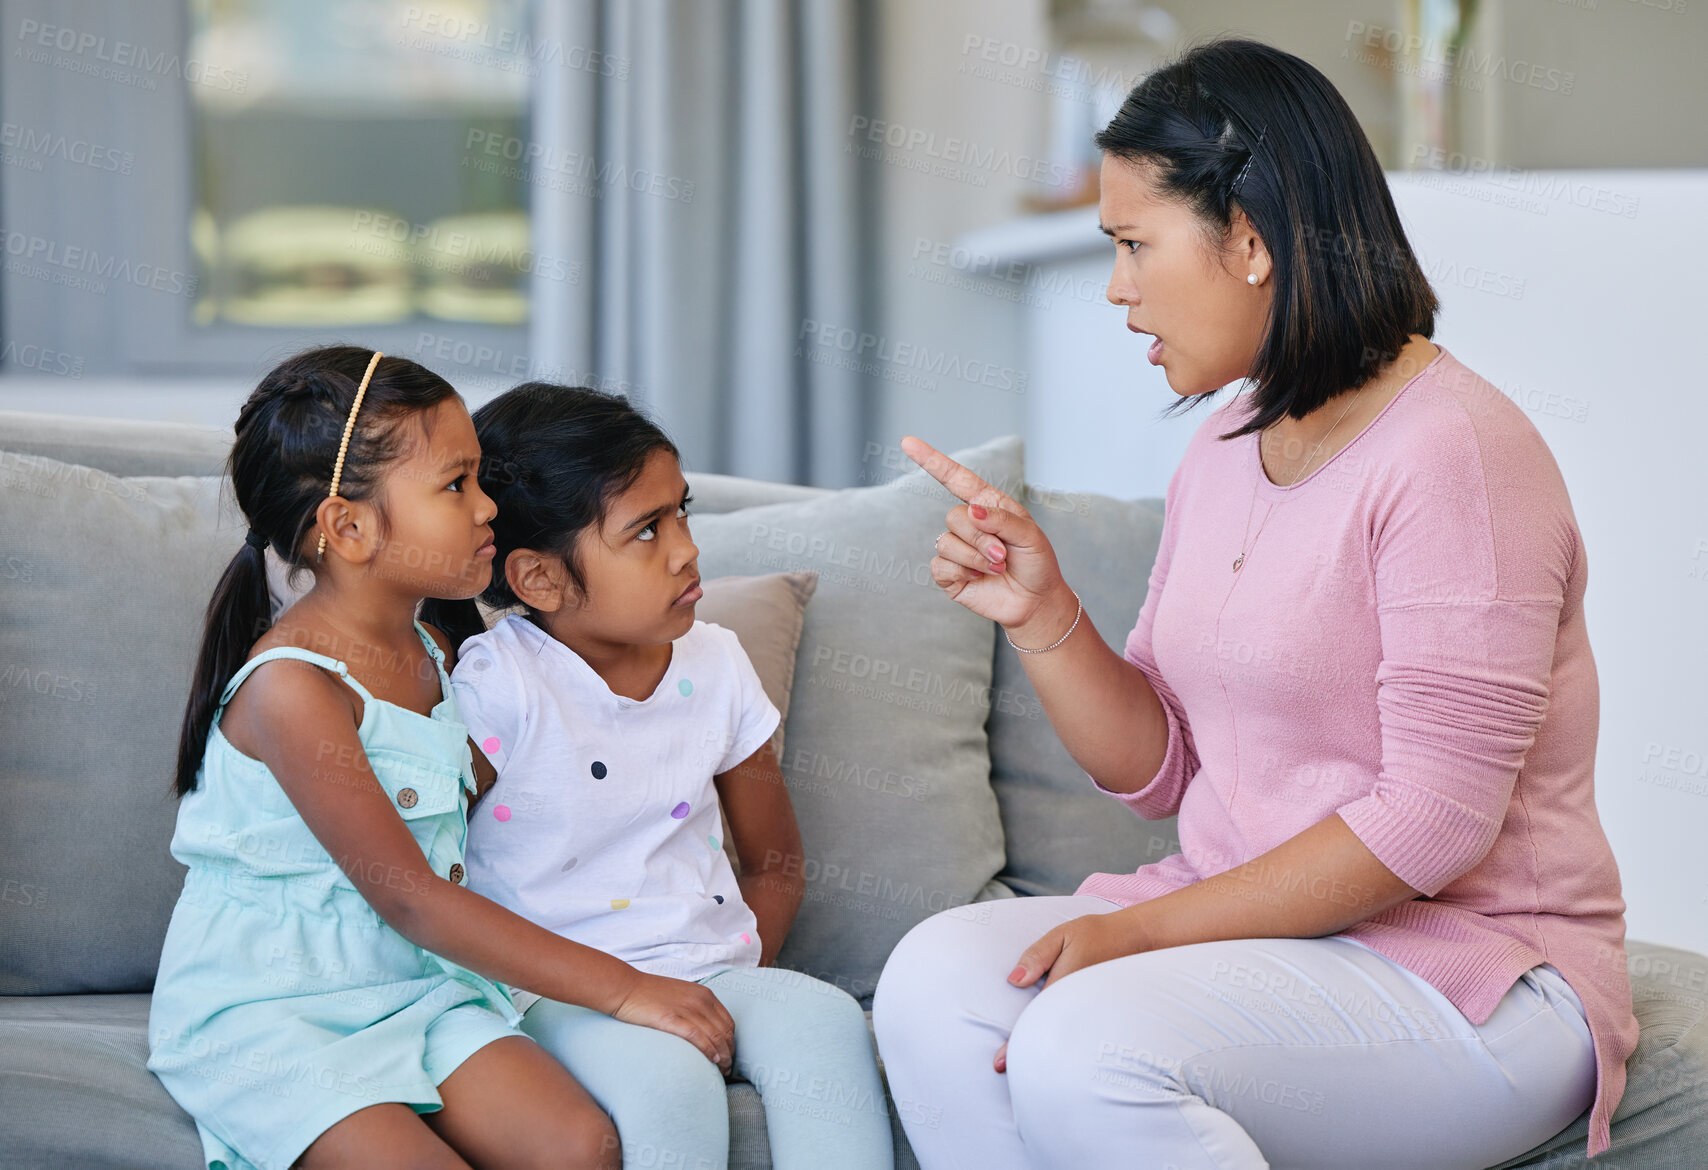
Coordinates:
(705, 184)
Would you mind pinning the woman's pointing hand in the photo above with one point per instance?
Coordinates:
(993, 559)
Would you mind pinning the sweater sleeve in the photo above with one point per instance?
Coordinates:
(1161, 795)
(1471, 563)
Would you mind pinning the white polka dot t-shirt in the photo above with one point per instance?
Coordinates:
(603, 823)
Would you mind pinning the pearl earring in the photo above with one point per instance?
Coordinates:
(1251, 278)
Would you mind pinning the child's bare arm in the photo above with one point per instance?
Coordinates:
(326, 775)
(768, 841)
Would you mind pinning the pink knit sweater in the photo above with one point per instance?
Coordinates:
(1404, 645)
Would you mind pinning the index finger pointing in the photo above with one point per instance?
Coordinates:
(964, 483)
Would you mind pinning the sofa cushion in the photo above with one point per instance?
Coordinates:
(123, 446)
(78, 1093)
(117, 446)
(1059, 828)
(1662, 1119)
(106, 581)
(74, 1076)
(715, 494)
(766, 613)
(887, 760)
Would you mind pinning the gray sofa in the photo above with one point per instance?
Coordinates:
(922, 769)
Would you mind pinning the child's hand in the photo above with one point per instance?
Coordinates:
(683, 1009)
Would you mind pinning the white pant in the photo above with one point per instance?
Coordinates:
(1315, 1053)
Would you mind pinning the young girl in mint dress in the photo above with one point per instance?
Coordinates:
(330, 992)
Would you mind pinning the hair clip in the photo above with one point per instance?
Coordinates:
(1250, 154)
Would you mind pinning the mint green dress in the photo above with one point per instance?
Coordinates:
(284, 1003)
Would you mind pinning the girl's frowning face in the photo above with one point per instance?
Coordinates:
(640, 564)
(439, 539)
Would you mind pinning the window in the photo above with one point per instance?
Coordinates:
(198, 186)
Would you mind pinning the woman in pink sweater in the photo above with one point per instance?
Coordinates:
(1394, 934)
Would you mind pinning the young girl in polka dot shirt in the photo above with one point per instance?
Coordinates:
(613, 726)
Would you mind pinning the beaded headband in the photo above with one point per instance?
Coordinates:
(344, 444)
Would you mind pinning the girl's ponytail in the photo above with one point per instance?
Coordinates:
(287, 438)
(239, 612)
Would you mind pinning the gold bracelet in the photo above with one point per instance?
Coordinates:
(1059, 640)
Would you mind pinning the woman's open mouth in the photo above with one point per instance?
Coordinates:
(1155, 351)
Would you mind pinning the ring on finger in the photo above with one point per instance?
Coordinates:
(940, 536)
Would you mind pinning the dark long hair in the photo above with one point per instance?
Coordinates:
(552, 458)
(1348, 290)
(281, 469)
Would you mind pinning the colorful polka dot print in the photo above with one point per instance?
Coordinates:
(619, 903)
(500, 812)
(599, 770)
(680, 810)
(714, 842)
(686, 687)
(489, 744)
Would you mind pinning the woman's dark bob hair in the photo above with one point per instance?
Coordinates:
(1348, 290)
